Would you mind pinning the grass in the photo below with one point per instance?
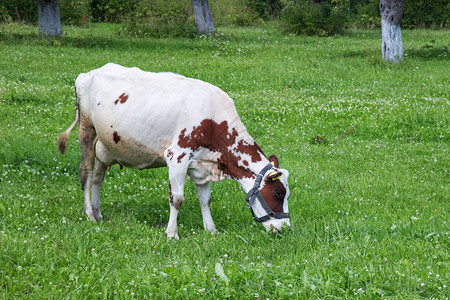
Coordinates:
(366, 143)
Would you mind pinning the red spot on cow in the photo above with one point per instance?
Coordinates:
(273, 192)
(181, 157)
(122, 98)
(169, 154)
(245, 163)
(116, 137)
(218, 138)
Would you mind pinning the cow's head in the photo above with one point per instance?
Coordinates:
(269, 198)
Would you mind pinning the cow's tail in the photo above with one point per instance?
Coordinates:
(62, 141)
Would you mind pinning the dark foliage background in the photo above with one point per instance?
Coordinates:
(175, 17)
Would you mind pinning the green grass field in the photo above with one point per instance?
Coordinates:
(366, 143)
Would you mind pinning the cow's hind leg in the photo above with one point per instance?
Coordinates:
(97, 180)
(204, 195)
(87, 136)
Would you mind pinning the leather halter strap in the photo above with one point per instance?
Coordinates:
(254, 194)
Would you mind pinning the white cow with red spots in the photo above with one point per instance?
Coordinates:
(148, 120)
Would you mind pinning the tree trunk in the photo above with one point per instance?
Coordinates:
(203, 18)
(49, 19)
(391, 34)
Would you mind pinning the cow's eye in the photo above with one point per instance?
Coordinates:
(279, 194)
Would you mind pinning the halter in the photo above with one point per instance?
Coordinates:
(255, 193)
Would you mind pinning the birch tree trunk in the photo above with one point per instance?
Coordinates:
(49, 19)
(203, 17)
(391, 34)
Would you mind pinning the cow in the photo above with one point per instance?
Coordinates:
(142, 120)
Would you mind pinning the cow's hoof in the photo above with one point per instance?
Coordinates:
(172, 235)
(97, 214)
(94, 215)
(90, 215)
(98, 218)
(93, 218)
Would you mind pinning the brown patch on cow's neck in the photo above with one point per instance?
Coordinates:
(116, 137)
(218, 138)
(253, 152)
(269, 193)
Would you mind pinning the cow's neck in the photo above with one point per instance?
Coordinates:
(248, 183)
(237, 154)
(245, 163)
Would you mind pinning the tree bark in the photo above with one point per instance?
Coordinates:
(49, 18)
(203, 17)
(391, 34)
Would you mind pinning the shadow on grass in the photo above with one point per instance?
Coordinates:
(92, 41)
(423, 53)
(429, 53)
(150, 211)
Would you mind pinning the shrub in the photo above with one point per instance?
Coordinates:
(19, 10)
(426, 13)
(233, 12)
(161, 18)
(4, 15)
(26, 11)
(73, 12)
(267, 9)
(306, 17)
(114, 11)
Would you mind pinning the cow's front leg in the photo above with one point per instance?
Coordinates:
(176, 198)
(204, 195)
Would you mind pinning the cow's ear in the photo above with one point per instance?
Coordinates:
(274, 161)
(274, 175)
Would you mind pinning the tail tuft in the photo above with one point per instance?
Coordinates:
(62, 141)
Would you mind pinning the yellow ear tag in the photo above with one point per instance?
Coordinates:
(273, 173)
(272, 163)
